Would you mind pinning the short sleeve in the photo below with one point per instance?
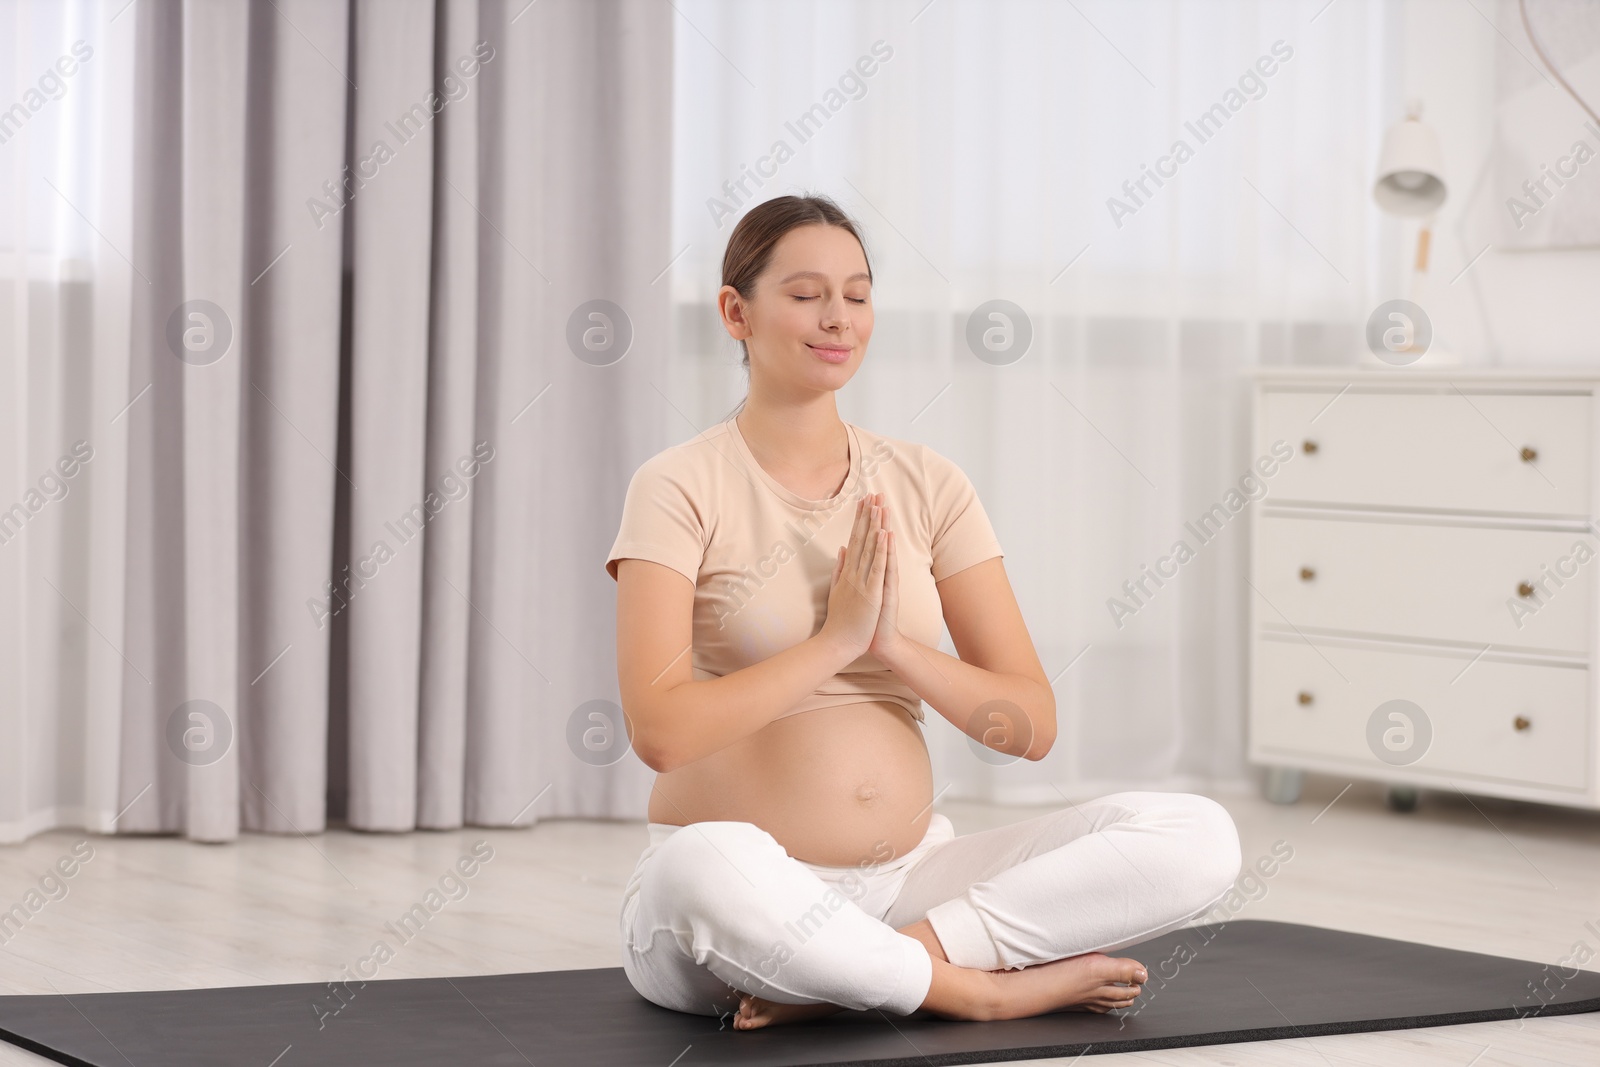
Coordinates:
(962, 534)
(660, 521)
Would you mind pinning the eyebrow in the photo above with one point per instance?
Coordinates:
(819, 276)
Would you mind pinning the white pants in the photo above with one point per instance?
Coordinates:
(718, 904)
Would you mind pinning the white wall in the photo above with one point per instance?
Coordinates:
(1516, 308)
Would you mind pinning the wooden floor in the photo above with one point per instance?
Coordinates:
(147, 913)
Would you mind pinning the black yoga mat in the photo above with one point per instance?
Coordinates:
(1243, 980)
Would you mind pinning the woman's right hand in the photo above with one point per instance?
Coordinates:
(855, 597)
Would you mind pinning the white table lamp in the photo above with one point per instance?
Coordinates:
(1410, 184)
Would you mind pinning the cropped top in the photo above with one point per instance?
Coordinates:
(761, 557)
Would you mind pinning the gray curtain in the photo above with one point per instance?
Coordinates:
(368, 532)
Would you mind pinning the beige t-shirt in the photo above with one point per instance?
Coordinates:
(761, 557)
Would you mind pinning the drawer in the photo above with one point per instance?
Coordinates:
(1432, 450)
(1443, 583)
(1472, 716)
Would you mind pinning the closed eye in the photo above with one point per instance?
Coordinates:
(852, 299)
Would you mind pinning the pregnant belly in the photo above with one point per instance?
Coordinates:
(838, 786)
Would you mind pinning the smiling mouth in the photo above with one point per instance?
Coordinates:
(831, 355)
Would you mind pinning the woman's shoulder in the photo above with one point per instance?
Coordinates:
(691, 456)
(902, 457)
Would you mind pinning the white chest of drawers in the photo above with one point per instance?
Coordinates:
(1423, 581)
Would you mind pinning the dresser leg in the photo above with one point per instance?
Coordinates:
(1283, 785)
(1401, 797)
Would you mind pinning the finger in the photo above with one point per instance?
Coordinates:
(880, 562)
(853, 547)
(857, 532)
(889, 606)
(861, 541)
(870, 547)
(888, 572)
(892, 583)
(838, 565)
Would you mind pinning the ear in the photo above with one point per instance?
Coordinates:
(731, 306)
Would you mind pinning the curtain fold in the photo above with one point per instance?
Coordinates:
(325, 562)
(452, 421)
(212, 228)
(391, 259)
(292, 336)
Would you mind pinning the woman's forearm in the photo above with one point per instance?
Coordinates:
(694, 719)
(1018, 714)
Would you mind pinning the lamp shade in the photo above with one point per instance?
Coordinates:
(1410, 170)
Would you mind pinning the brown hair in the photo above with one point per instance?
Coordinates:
(757, 233)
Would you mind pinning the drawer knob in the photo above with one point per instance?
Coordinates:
(1524, 590)
(1529, 455)
(1521, 723)
(1308, 447)
(1304, 697)
(1306, 574)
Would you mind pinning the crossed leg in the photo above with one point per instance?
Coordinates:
(1091, 981)
(1017, 920)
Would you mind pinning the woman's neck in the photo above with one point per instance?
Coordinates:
(806, 440)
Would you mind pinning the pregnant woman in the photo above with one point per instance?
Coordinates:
(781, 579)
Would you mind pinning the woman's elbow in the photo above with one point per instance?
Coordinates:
(649, 756)
(1044, 733)
(645, 743)
(1041, 746)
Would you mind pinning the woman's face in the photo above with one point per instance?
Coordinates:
(811, 316)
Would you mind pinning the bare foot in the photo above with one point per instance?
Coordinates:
(1090, 982)
(755, 1012)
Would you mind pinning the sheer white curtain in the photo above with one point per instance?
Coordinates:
(65, 81)
(981, 145)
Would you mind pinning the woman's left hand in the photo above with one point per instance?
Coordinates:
(887, 636)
